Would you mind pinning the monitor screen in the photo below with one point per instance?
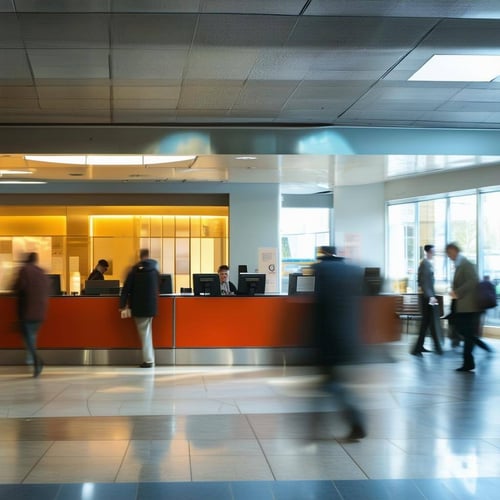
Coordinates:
(299, 283)
(372, 280)
(251, 283)
(166, 284)
(54, 284)
(206, 284)
(102, 287)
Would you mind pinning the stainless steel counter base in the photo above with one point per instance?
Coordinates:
(165, 357)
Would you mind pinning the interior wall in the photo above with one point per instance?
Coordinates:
(253, 223)
(359, 221)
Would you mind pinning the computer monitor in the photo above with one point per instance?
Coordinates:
(251, 283)
(206, 284)
(102, 287)
(372, 280)
(299, 283)
(54, 284)
(166, 284)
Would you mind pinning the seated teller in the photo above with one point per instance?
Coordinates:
(99, 270)
(226, 287)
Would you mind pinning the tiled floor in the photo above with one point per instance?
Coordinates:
(251, 432)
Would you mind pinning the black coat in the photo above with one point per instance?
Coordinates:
(338, 290)
(141, 288)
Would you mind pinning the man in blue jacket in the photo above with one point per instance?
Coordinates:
(140, 292)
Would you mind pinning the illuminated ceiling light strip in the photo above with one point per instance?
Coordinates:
(459, 68)
(14, 172)
(108, 159)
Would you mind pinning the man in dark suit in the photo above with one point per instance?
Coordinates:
(464, 291)
(428, 304)
(338, 290)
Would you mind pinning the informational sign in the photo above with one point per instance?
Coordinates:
(268, 265)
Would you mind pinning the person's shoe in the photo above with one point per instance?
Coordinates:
(439, 352)
(38, 367)
(146, 365)
(417, 353)
(465, 368)
(357, 432)
(424, 350)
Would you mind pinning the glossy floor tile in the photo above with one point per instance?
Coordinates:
(252, 432)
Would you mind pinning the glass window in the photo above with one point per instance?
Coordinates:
(432, 230)
(490, 264)
(402, 260)
(302, 231)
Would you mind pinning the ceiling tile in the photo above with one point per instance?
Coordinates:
(18, 92)
(10, 32)
(74, 104)
(14, 66)
(205, 97)
(146, 92)
(358, 32)
(71, 63)
(156, 6)
(62, 6)
(166, 64)
(283, 7)
(152, 30)
(65, 31)
(145, 103)
(210, 63)
(73, 92)
(224, 30)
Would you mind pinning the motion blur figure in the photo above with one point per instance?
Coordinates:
(32, 289)
(338, 289)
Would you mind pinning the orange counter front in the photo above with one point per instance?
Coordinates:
(86, 323)
(187, 323)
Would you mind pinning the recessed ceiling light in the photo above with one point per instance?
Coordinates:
(14, 172)
(246, 157)
(108, 159)
(459, 68)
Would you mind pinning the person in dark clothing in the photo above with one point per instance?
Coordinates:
(338, 289)
(429, 305)
(32, 288)
(465, 280)
(140, 292)
(99, 270)
(226, 286)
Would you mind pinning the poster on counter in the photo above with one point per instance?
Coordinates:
(268, 265)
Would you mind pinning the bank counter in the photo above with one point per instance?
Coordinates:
(270, 329)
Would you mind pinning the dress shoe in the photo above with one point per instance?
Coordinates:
(357, 432)
(424, 350)
(417, 353)
(465, 368)
(38, 367)
(146, 365)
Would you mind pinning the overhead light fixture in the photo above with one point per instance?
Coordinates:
(246, 157)
(14, 172)
(459, 68)
(108, 159)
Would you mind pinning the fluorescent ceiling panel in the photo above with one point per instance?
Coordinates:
(459, 68)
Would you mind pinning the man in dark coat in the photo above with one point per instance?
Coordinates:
(429, 305)
(32, 288)
(140, 292)
(338, 289)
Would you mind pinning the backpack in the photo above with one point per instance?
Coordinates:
(486, 295)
